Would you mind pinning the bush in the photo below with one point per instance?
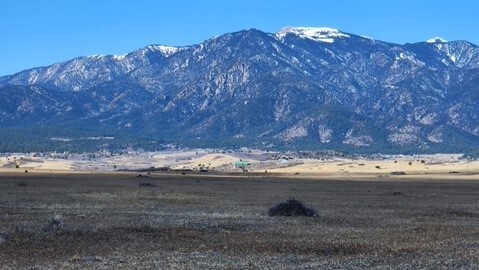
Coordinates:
(54, 224)
(292, 207)
(146, 184)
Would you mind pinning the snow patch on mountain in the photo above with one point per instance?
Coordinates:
(95, 56)
(367, 37)
(461, 54)
(119, 57)
(436, 40)
(165, 50)
(321, 34)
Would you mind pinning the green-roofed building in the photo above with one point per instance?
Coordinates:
(241, 164)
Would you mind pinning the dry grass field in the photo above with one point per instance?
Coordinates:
(161, 221)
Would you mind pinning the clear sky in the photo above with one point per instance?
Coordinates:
(42, 32)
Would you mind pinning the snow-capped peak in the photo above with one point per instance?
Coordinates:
(322, 34)
(167, 51)
(119, 57)
(436, 40)
(95, 56)
(102, 57)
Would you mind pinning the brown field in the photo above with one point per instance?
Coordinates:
(110, 221)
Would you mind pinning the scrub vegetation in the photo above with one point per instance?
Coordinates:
(110, 221)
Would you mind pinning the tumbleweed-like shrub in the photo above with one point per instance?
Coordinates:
(146, 184)
(292, 207)
(54, 224)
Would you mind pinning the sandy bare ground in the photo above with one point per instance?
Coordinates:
(382, 167)
(446, 165)
(22, 162)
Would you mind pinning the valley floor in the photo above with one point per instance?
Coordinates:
(203, 221)
(439, 165)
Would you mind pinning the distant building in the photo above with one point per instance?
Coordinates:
(241, 165)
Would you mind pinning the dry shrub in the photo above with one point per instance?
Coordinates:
(292, 207)
(54, 224)
(21, 184)
(146, 184)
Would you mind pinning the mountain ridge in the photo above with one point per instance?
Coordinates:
(315, 88)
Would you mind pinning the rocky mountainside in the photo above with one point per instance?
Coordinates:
(300, 88)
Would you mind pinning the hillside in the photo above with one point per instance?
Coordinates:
(300, 88)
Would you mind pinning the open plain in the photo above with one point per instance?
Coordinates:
(220, 221)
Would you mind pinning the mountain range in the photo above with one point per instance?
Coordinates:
(299, 89)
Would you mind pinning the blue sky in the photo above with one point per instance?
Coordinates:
(42, 32)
